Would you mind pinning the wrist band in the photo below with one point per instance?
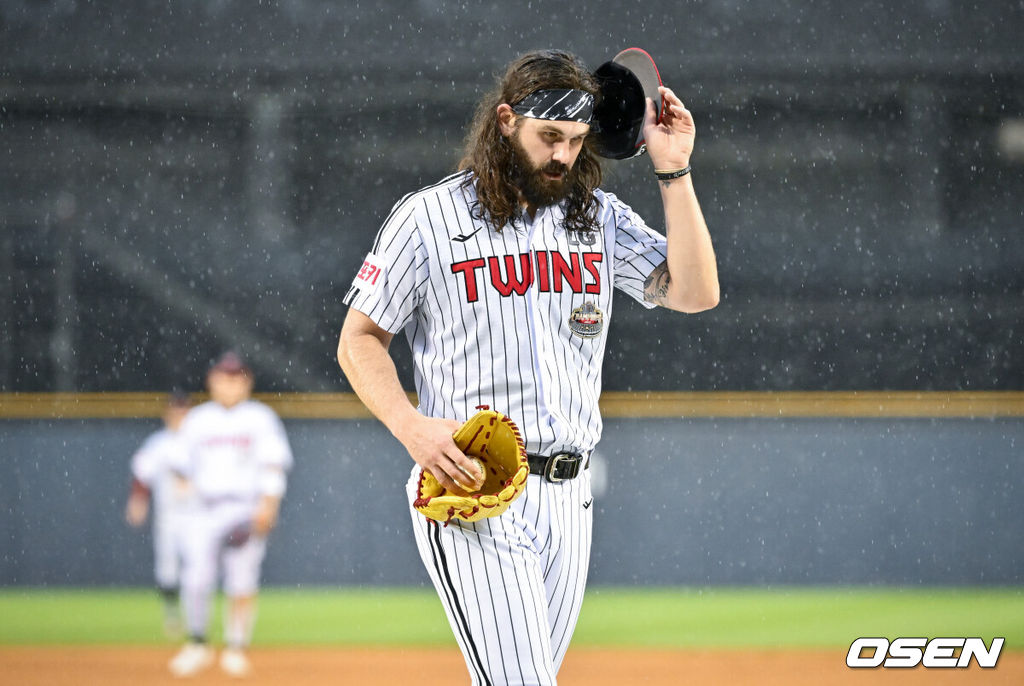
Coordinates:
(669, 175)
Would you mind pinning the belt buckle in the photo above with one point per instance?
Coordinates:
(552, 466)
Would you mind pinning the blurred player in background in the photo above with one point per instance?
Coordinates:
(235, 456)
(153, 482)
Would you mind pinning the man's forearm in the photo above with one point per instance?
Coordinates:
(372, 373)
(265, 517)
(363, 355)
(691, 281)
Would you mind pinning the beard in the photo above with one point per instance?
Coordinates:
(535, 188)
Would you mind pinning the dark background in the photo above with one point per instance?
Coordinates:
(181, 177)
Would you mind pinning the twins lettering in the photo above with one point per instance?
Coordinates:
(509, 274)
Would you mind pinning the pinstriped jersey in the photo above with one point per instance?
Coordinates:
(516, 319)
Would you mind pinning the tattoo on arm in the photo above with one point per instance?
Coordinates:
(656, 285)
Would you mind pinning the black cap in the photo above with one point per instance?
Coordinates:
(626, 81)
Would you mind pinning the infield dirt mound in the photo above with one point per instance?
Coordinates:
(132, 666)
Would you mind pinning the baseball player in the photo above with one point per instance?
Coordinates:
(501, 277)
(154, 486)
(235, 457)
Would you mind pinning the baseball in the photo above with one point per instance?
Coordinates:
(478, 478)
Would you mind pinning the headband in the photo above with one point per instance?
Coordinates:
(559, 104)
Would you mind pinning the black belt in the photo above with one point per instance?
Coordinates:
(557, 467)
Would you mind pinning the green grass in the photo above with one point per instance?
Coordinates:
(796, 617)
(666, 617)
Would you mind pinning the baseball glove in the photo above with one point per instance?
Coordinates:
(494, 439)
(239, 535)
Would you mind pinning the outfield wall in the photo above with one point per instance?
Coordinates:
(785, 499)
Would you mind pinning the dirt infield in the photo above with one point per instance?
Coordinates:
(85, 666)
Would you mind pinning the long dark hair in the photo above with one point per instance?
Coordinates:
(490, 156)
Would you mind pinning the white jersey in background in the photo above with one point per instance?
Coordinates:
(230, 453)
(152, 465)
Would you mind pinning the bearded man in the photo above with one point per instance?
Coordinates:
(501, 277)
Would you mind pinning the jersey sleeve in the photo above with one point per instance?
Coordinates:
(180, 455)
(146, 462)
(392, 280)
(638, 249)
(273, 453)
(274, 449)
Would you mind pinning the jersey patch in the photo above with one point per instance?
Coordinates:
(587, 320)
(371, 275)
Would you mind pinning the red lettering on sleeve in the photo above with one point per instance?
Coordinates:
(368, 273)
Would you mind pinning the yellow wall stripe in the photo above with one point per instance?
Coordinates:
(614, 404)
